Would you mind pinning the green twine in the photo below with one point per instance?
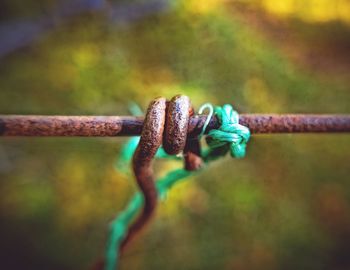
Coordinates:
(210, 114)
(231, 136)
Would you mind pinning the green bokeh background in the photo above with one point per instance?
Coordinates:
(285, 206)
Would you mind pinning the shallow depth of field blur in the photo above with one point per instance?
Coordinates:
(285, 206)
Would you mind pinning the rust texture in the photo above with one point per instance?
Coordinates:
(280, 123)
(175, 140)
(192, 150)
(176, 124)
(167, 123)
(100, 126)
(290, 123)
(192, 154)
(150, 141)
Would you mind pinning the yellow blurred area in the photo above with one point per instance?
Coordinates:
(87, 55)
(259, 95)
(203, 7)
(79, 199)
(311, 10)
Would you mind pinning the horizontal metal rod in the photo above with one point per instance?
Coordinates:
(104, 126)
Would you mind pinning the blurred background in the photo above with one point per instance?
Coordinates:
(285, 206)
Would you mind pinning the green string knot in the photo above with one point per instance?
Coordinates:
(231, 136)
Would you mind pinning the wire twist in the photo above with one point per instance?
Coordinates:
(167, 123)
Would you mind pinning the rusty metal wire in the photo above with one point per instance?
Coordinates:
(109, 126)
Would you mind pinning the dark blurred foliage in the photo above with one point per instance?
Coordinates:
(285, 206)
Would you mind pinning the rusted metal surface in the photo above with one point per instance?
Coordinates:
(175, 140)
(296, 123)
(192, 151)
(192, 154)
(150, 141)
(104, 126)
(167, 123)
(100, 126)
(177, 118)
(281, 123)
